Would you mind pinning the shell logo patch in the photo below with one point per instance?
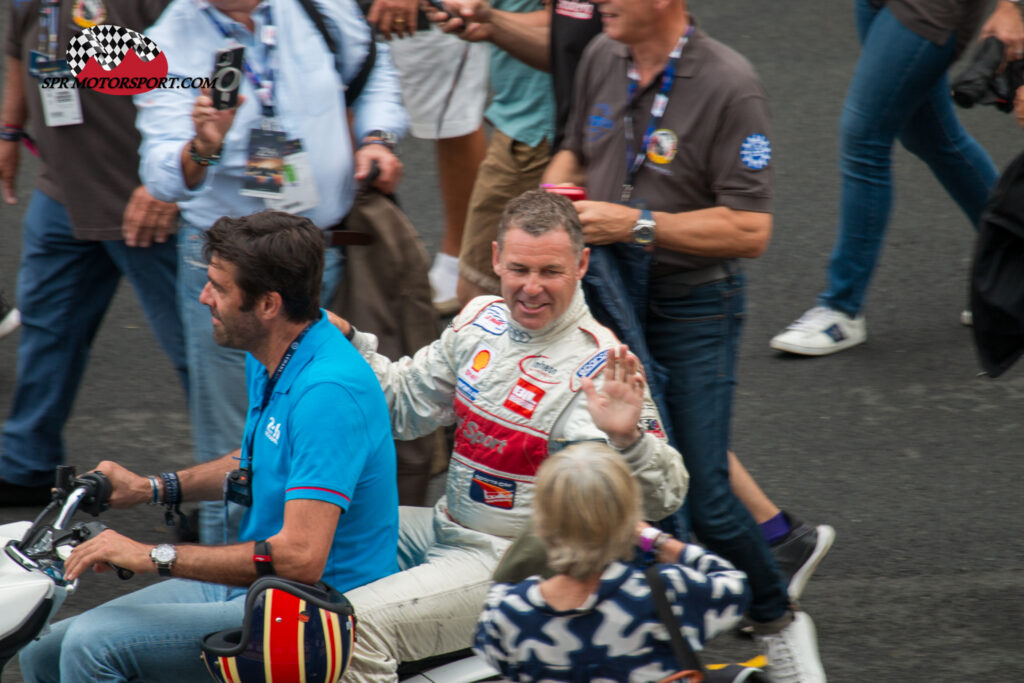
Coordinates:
(479, 362)
(756, 151)
(663, 146)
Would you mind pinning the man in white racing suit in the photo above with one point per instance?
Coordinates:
(519, 375)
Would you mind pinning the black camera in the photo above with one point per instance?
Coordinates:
(980, 84)
(238, 486)
(227, 77)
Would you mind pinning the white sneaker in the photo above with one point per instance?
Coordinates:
(444, 278)
(821, 331)
(10, 322)
(792, 653)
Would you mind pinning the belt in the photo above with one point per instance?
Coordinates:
(680, 283)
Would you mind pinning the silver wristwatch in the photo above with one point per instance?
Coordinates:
(382, 137)
(163, 557)
(643, 229)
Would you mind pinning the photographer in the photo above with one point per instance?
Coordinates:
(900, 90)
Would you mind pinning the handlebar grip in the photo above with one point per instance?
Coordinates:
(122, 573)
(100, 489)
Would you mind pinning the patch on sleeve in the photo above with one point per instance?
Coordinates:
(652, 426)
(756, 151)
(493, 320)
(589, 368)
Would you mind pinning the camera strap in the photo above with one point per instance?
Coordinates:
(262, 80)
(635, 157)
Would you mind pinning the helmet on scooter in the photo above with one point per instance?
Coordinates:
(291, 631)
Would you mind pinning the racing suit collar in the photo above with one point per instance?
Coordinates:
(576, 311)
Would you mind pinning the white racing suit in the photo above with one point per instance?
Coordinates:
(515, 395)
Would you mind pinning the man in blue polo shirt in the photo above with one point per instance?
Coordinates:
(316, 469)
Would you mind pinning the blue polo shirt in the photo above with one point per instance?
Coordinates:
(325, 435)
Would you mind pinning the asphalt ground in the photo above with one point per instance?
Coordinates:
(898, 443)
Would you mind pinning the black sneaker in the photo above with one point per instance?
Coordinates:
(800, 552)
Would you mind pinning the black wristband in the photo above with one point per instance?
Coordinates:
(262, 559)
(172, 488)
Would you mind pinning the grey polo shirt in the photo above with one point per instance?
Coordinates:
(712, 147)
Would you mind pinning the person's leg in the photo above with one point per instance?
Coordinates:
(936, 136)
(153, 634)
(428, 609)
(64, 288)
(153, 272)
(509, 169)
(696, 339)
(895, 74)
(745, 488)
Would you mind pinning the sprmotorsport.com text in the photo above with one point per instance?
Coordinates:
(127, 82)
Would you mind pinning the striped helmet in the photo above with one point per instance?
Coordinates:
(291, 632)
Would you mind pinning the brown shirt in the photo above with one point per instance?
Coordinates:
(936, 20)
(91, 168)
(711, 148)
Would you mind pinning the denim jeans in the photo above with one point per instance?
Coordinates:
(217, 399)
(899, 90)
(696, 339)
(152, 635)
(65, 286)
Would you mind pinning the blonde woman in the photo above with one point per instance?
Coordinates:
(595, 617)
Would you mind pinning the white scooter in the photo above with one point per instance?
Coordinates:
(32, 585)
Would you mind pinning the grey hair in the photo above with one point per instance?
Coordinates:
(537, 212)
(586, 509)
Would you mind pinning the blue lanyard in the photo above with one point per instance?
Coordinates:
(268, 390)
(263, 83)
(635, 157)
(49, 21)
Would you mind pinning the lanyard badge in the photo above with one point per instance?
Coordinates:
(635, 157)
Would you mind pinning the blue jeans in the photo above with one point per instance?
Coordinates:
(64, 289)
(217, 401)
(899, 89)
(153, 635)
(696, 339)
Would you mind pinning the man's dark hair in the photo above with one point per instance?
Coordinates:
(538, 212)
(272, 251)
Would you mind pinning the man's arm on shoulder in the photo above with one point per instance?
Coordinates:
(524, 35)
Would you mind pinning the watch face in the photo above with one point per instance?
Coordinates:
(643, 233)
(164, 553)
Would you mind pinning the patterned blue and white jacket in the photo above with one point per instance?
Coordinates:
(616, 634)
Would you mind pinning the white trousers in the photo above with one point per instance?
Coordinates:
(430, 607)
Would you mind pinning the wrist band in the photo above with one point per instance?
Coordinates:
(351, 332)
(172, 488)
(203, 159)
(648, 537)
(12, 133)
(156, 490)
(262, 559)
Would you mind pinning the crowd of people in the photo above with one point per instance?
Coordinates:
(587, 377)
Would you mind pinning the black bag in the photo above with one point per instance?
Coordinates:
(997, 274)
(690, 667)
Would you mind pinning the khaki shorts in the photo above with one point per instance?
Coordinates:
(509, 169)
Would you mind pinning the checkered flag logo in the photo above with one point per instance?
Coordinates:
(109, 45)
